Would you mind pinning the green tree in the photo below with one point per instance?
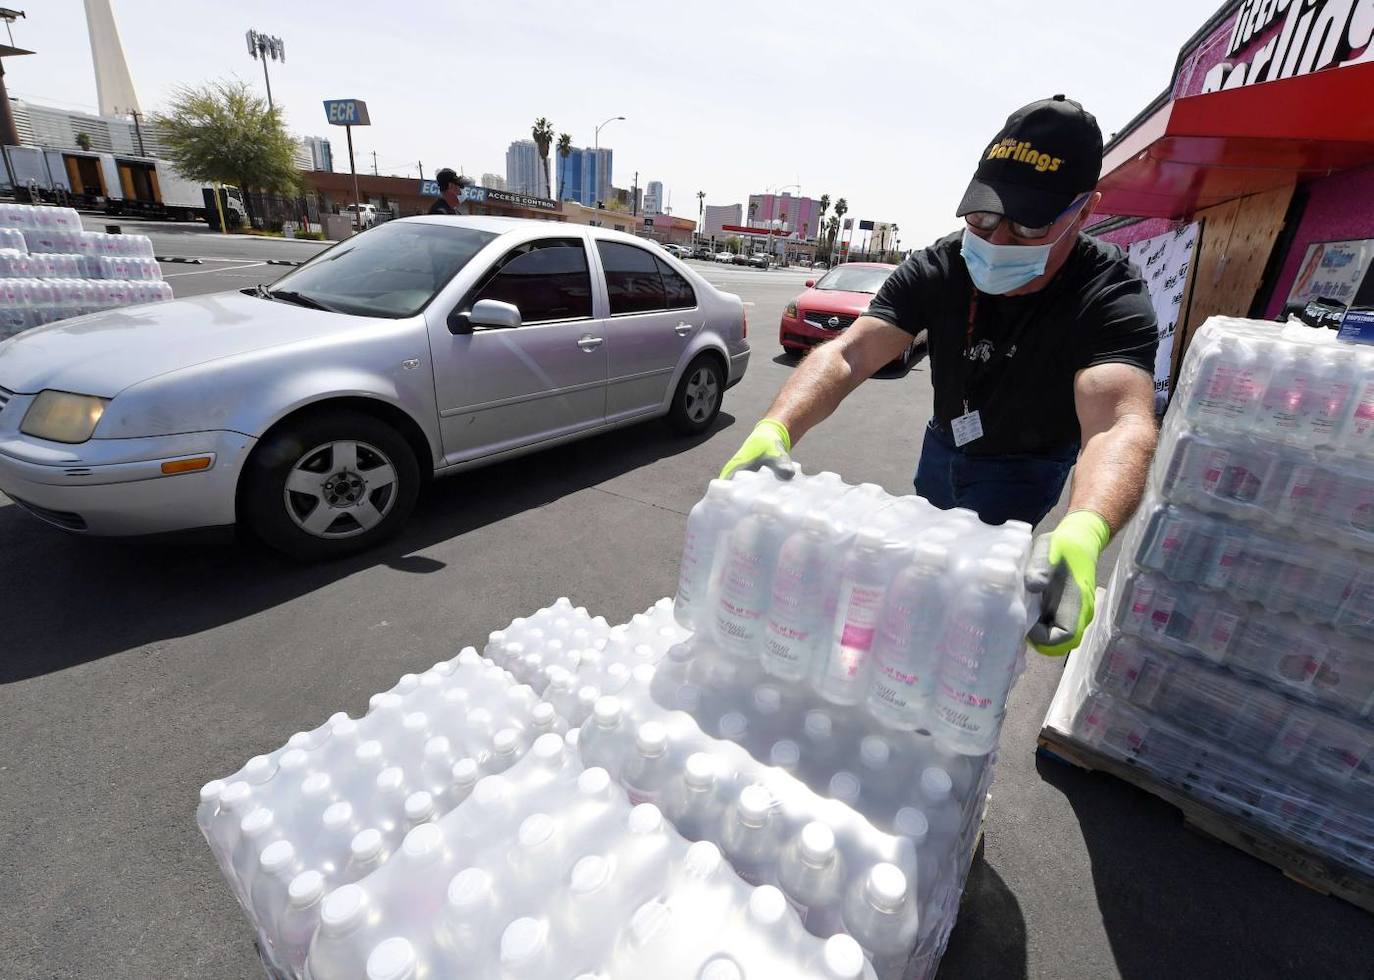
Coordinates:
(825, 206)
(732, 244)
(841, 209)
(224, 132)
(564, 151)
(83, 140)
(543, 139)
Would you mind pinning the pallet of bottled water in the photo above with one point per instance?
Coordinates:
(1233, 657)
(51, 269)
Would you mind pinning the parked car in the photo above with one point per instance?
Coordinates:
(726, 257)
(829, 305)
(703, 251)
(364, 215)
(759, 260)
(739, 258)
(314, 410)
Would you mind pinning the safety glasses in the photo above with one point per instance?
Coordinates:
(987, 221)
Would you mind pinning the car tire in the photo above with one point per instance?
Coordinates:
(698, 397)
(356, 459)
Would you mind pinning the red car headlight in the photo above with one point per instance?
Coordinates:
(790, 310)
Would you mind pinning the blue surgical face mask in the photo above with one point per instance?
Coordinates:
(1000, 269)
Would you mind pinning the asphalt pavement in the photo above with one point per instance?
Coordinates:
(134, 671)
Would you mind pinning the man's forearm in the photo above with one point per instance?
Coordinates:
(1111, 471)
(814, 391)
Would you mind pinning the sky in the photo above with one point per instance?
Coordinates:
(886, 104)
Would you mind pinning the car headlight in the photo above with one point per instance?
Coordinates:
(61, 416)
(790, 310)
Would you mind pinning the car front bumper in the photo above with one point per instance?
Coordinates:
(795, 332)
(117, 487)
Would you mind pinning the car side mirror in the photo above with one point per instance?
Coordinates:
(489, 313)
(810, 283)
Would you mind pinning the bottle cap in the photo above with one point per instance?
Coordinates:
(424, 841)
(645, 819)
(844, 958)
(755, 801)
(642, 674)
(386, 701)
(733, 725)
(874, 751)
(343, 908)
(523, 940)
(817, 523)
(999, 574)
(337, 814)
(305, 889)
(406, 683)
(886, 887)
(257, 769)
(548, 747)
(648, 920)
(211, 791)
(369, 753)
(593, 782)
(257, 822)
(469, 887)
(935, 783)
(490, 791)
(870, 539)
(717, 487)
(767, 905)
(414, 721)
(465, 772)
(587, 696)
(571, 737)
(818, 724)
(535, 829)
(366, 844)
(931, 555)
(844, 786)
(345, 727)
(721, 968)
(784, 754)
(391, 779)
(699, 772)
(682, 653)
(543, 715)
(702, 859)
(607, 711)
(560, 678)
(506, 741)
(767, 699)
(478, 718)
(911, 822)
(419, 806)
(589, 874)
(277, 856)
(392, 959)
(817, 844)
(651, 739)
(293, 759)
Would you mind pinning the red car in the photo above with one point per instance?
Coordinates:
(832, 304)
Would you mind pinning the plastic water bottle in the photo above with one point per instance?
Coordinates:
(844, 668)
(601, 743)
(1357, 435)
(692, 803)
(905, 650)
(746, 578)
(368, 851)
(811, 876)
(278, 865)
(748, 839)
(707, 525)
(979, 651)
(940, 808)
(797, 603)
(1287, 396)
(299, 919)
(648, 772)
(1333, 387)
(880, 915)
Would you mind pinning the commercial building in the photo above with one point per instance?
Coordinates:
(1244, 199)
(653, 197)
(494, 182)
(584, 175)
(666, 228)
(716, 216)
(401, 197)
(580, 214)
(321, 154)
(627, 199)
(801, 214)
(525, 170)
(60, 129)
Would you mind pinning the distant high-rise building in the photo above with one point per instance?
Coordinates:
(653, 197)
(801, 214)
(494, 182)
(114, 86)
(525, 170)
(717, 215)
(584, 176)
(321, 154)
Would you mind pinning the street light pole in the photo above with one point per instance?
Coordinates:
(266, 46)
(596, 151)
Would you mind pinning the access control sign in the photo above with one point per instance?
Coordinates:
(346, 112)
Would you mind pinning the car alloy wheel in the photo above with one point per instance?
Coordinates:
(702, 394)
(340, 489)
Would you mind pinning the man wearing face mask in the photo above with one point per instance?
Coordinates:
(1042, 348)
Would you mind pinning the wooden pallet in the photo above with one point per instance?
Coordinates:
(1298, 862)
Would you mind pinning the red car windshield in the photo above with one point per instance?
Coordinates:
(854, 279)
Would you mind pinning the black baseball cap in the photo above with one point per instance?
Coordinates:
(1047, 154)
(448, 176)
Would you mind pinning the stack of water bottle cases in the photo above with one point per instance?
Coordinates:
(51, 269)
(1234, 656)
(782, 772)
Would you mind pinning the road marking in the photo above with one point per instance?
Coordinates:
(204, 272)
(748, 304)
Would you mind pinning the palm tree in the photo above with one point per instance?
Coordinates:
(564, 151)
(841, 208)
(825, 206)
(543, 139)
(753, 206)
(892, 236)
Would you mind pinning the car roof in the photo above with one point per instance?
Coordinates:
(866, 265)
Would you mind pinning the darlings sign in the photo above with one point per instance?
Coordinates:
(1315, 34)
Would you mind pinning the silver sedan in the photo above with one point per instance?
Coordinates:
(313, 411)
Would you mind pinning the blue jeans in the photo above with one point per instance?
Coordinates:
(1019, 486)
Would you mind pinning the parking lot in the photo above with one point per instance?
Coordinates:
(134, 671)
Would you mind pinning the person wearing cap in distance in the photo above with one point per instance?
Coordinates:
(450, 190)
(1042, 348)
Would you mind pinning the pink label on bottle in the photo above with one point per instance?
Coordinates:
(859, 637)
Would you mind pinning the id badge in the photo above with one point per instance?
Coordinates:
(967, 427)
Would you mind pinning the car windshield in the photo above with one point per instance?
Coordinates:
(854, 279)
(394, 270)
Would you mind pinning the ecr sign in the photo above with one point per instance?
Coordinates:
(346, 112)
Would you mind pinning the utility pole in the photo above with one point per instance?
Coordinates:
(634, 197)
(139, 130)
(374, 163)
(420, 167)
(266, 46)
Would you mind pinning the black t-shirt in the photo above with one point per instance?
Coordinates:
(440, 206)
(1018, 370)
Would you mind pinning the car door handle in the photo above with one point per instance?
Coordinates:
(589, 343)
(683, 329)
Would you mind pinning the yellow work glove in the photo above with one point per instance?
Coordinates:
(1063, 570)
(768, 445)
